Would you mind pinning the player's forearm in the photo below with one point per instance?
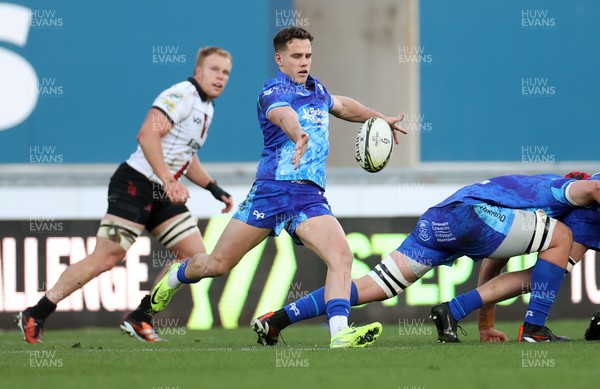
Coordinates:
(489, 269)
(287, 120)
(197, 174)
(353, 111)
(585, 192)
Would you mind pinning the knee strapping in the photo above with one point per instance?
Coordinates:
(542, 236)
(120, 233)
(181, 228)
(389, 277)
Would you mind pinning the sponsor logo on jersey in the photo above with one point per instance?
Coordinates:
(423, 227)
(313, 115)
(495, 214)
(169, 105)
(194, 145)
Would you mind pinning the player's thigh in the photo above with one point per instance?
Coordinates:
(237, 240)
(531, 231)
(325, 236)
(181, 235)
(124, 221)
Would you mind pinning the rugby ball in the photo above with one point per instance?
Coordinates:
(374, 145)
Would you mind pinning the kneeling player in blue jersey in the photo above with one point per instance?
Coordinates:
(497, 218)
(585, 224)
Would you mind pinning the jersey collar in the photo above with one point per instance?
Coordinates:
(310, 81)
(201, 93)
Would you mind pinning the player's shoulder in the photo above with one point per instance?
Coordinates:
(277, 84)
(180, 90)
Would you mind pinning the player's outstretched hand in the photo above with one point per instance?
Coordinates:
(301, 145)
(492, 335)
(394, 122)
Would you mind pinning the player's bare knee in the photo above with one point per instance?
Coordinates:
(562, 237)
(568, 234)
(340, 259)
(340, 265)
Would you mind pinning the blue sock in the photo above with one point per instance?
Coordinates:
(337, 307)
(462, 305)
(181, 273)
(546, 279)
(313, 304)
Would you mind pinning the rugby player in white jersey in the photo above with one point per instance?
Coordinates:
(145, 192)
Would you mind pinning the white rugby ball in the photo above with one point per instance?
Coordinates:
(374, 145)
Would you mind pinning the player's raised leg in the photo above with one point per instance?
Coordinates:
(237, 239)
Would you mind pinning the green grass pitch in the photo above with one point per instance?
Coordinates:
(403, 358)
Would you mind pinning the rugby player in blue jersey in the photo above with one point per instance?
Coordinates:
(585, 225)
(288, 193)
(497, 218)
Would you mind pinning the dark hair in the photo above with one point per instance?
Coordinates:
(289, 33)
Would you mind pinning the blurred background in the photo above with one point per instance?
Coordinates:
(487, 88)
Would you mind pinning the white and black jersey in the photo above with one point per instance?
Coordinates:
(185, 105)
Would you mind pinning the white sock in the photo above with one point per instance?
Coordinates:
(173, 282)
(337, 323)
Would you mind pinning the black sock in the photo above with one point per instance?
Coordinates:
(42, 309)
(280, 319)
(532, 327)
(144, 311)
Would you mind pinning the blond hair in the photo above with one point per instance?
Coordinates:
(209, 50)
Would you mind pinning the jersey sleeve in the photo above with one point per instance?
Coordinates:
(560, 190)
(328, 98)
(176, 103)
(272, 98)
